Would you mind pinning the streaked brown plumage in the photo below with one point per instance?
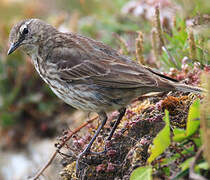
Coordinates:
(86, 73)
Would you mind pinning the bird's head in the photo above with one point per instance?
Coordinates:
(28, 34)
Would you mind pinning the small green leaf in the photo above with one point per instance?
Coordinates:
(197, 141)
(166, 171)
(202, 165)
(186, 164)
(162, 140)
(178, 131)
(179, 134)
(142, 173)
(193, 123)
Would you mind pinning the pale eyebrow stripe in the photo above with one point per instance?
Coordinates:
(25, 25)
(28, 22)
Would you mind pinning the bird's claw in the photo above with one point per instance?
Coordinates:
(78, 163)
(86, 152)
(99, 153)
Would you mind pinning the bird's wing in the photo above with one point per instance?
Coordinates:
(74, 65)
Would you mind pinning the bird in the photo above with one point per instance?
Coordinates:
(87, 74)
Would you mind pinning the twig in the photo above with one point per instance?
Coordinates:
(170, 56)
(70, 134)
(192, 174)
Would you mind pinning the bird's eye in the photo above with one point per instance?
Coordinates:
(25, 31)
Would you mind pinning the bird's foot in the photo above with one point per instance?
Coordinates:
(79, 164)
(99, 153)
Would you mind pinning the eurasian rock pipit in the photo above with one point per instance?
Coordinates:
(87, 74)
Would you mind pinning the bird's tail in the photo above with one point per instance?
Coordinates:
(187, 88)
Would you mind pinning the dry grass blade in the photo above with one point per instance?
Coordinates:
(159, 29)
(139, 48)
(192, 45)
(205, 117)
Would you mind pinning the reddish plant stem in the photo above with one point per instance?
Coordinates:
(70, 134)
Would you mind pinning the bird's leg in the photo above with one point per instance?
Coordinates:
(120, 116)
(122, 113)
(103, 118)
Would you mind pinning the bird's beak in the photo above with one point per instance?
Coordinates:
(13, 47)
